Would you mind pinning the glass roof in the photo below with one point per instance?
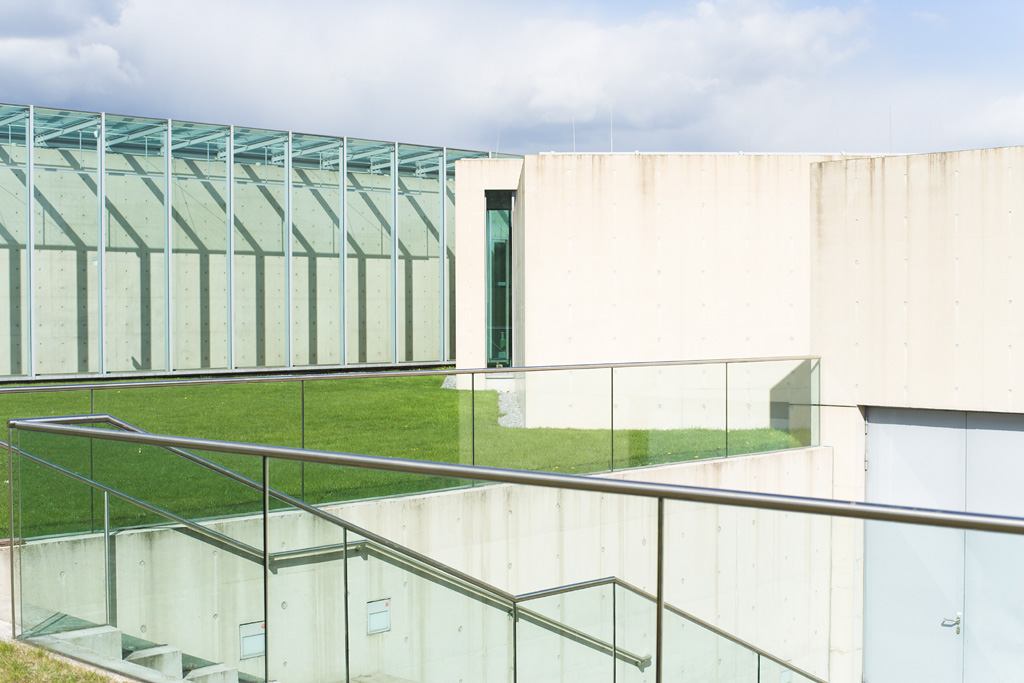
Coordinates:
(67, 129)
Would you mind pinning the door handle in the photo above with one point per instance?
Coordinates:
(949, 623)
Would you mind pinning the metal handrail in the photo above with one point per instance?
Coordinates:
(766, 501)
(244, 549)
(625, 585)
(86, 386)
(388, 550)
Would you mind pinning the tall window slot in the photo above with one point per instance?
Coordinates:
(500, 205)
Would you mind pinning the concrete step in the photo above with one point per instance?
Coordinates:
(103, 640)
(163, 658)
(69, 648)
(217, 673)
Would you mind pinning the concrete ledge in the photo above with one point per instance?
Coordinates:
(105, 641)
(87, 656)
(216, 673)
(163, 658)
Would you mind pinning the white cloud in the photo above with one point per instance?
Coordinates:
(714, 75)
(51, 69)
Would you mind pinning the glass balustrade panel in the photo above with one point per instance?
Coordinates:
(669, 413)
(550, 421)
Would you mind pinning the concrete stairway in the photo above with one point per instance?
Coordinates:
(103, 646)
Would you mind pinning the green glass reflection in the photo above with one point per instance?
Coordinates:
(499, 272)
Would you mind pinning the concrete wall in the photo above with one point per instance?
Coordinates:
(767, 577)
(648, 257)
(916, 280)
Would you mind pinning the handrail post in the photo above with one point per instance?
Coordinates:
(659, 617)
(110, 569)
(615, 633)
(348, 657)
(611, 413)
(302, 465)
(10, 523)
(472, 417)
(515, 642)
(266, 567)
(726, 454)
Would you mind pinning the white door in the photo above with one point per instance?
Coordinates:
(914, 576)
(994, 563)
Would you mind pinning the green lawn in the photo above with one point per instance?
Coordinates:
(20, 663)
(409, 417)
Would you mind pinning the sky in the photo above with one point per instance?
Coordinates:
(856, 76)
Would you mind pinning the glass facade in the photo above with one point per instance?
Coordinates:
(136, 245)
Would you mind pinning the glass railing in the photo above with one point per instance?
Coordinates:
(165, 572)
(456, 584)
(575, 420)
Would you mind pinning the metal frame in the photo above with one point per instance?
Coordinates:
(196, 135)
(230, 256)
(30, 244)
(168, 242)
(312, 377)
(101, 243)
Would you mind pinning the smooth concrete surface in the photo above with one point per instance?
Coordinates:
(916, 280)
(646, 257)
(470, 267)
(768, 577)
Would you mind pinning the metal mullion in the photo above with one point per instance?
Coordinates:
(343, 247)
(230, 203)
(442, 252)
(30, 259)
(168, 260)
(289, 295)
(394, 253)
(101, 244)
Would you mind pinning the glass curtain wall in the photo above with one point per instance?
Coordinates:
(14, 300)
(137, 245)
(317, 250)
(135, 236)
(260, 259)
(419, 240)
(67, 179)
(199, 239)
(370, 215)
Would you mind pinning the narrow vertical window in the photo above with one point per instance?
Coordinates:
(499, 278)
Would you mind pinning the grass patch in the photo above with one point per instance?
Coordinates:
(407, 417)
(21, 663)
